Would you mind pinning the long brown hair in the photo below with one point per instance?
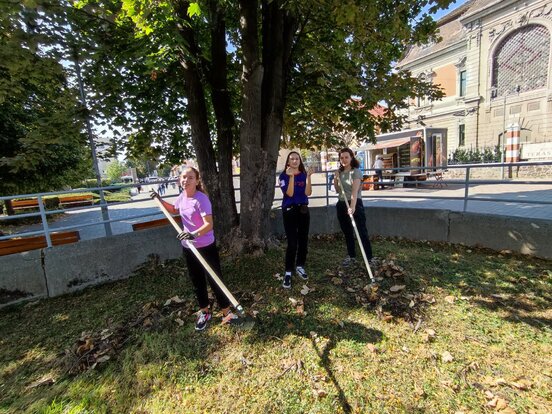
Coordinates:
(354, 161)
(199, 185)
(301, 165)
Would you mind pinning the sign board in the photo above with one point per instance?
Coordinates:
(532, 152)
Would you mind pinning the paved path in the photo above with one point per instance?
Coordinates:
(390, 197)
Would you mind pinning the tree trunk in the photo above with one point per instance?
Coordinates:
(262, 112)
(222, 106)
(190, 61)
(255, 168)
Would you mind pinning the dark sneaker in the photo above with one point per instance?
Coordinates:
(374, 262)
(348, 261)
(287, 281)
(202, 320)
(230, 319)
(301, 273)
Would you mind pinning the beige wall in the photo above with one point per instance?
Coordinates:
(483, 116)
(446, 78)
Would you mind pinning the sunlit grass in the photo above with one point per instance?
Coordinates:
(339, 357)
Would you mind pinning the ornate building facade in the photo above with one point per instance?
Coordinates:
(494, 66)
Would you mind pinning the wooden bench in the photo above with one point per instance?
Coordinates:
(24, 204)
(154, 223)
(23, 244)
(76, 201)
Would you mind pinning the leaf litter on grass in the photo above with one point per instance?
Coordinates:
(466, 386)
(95, 348)
(392, 297)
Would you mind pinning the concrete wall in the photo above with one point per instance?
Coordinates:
(64, 269)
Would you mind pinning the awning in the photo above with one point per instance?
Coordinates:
(390, 143)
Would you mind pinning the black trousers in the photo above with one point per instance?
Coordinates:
(200, 276)
(296, 225)
(379, 173)
(349, 231)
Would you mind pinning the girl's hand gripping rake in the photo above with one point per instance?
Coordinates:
(196, 253)
(356, 230)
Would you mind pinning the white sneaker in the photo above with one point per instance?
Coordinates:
(301, 273)
(287, 281)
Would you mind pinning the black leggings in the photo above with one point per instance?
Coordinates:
(198, 275)
(348, 230)
(296, 225)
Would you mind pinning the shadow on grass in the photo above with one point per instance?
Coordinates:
(331, 333)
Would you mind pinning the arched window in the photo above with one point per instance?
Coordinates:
(520, 62)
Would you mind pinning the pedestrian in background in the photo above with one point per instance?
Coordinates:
(378, 167)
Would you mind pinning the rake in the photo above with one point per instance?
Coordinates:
(356, 230)
(244, 319)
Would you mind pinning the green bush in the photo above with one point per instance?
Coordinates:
(475, 156)
(91, 183)
(51, 203)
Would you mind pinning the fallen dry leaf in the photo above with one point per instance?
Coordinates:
(319, 393)
(521, 384)
(450, 299)
(397, 288)
(447, 357)
(179, 321)
(305, 290)
(372, 348)
(337, 281)
(293, 301)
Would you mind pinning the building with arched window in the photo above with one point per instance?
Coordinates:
(494, 66)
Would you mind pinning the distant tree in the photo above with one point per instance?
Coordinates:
(115, 170)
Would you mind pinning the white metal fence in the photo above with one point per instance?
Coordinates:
(435, 179)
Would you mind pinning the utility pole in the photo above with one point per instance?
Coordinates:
(105, 212)
(502, 146)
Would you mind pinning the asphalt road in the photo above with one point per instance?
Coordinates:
(87, 220)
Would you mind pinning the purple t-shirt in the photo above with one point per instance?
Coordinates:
(300, 185)
(192, 210)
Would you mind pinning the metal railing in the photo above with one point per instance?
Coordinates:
(410, 180)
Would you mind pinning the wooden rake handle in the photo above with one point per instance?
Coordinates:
(356, 230)
(199, 257)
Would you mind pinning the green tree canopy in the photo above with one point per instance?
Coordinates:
(227, 76)
(41, 144)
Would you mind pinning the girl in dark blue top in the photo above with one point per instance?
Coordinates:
(295, 183)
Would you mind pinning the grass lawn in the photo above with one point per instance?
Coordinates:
(475, 336)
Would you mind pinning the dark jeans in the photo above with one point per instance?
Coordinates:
(379, 173)
(296, 225)
(348, 230)
(200, 276)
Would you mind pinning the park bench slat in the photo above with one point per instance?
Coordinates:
(154, 223)
(22, 204)
(23, 244)
(76, 200)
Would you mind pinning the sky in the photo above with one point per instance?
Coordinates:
(451, 7)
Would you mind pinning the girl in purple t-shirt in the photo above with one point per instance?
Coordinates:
(194, 208)
(295, 183)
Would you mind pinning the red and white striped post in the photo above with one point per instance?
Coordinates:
(512, 145)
